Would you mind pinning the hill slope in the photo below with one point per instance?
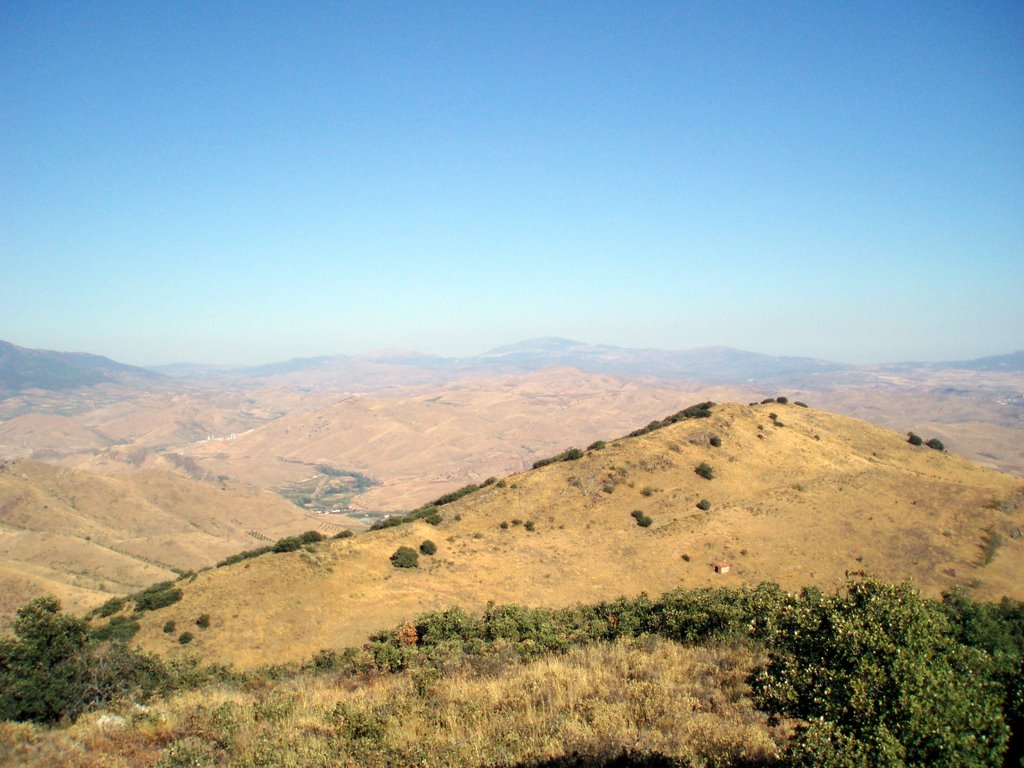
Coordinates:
(84, 537)
(800, 499)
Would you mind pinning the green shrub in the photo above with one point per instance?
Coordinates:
(501, 484)
(572, 454)
(641, 519)
(448, 498)
(781, 400)
(935, 444)
(648, 490)
(50, 672)
(503, 525)
(346, 534)
(800, 403)
(427, 547)
(405, 557)
(597, 445)
(203, 621)
(704, 504)
(157, 596)
(716, 441)
(528, 525)
(119, 629)
(698, 411)
(112, 606)
(877, 680)
(185, 638)
(914, 439)
(704, 470)
(170, 626)
(516, 521)
(433, 519)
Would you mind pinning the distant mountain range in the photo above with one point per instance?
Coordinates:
(22, 368)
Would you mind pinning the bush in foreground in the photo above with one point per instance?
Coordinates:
(877, 680)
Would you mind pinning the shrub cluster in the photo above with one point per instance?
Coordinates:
(571, 454)
(159, 595)
(51, 670)
(641, 519)
(405, 557)
(287, 544)
(698, 411)
(428, 512)
(705, 470)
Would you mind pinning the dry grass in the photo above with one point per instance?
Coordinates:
(649, 696)
(801, 504)
(84, 537)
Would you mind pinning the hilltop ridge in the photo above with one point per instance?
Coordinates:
(797, 496)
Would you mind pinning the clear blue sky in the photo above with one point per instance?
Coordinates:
(247, 182)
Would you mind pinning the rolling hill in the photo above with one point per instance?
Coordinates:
(798, 496)
(86, 538)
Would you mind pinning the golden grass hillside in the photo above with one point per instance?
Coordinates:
(651, 696)
(84, 538)
(802, 498)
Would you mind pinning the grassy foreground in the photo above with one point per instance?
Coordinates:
(648, 701)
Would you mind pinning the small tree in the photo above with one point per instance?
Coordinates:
(914, 439)
(170, 626)
(935, 444)
(704, 504)
(203, 621)
(705, 470)
(428, 547)
(405, 557)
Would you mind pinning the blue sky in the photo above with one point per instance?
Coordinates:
(248, 182)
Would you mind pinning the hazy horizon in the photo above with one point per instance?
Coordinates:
(237, 184)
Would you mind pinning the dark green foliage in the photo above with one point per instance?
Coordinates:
(488, 481)
(170, 626)
(935, 444)
(781, 400)
(448, 498)
(120, 629)
(704, 504)
(244, 555)
(501, 484)
(157, 596)
(50, 672)
(293, 543)
(427, 512)
(203, 621)
(641, 519)
(346, 534)
(879, 681)
(698, 411)
(516, 521)
(405, 557)
(112, 606)
(914, 439)
(503, 525)
(705, 470)
(572, 454)
(716, 441)
(597, 445)
(800, 403)
(185, 638)
(768, 400)
(529, 525)
(427, 547)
